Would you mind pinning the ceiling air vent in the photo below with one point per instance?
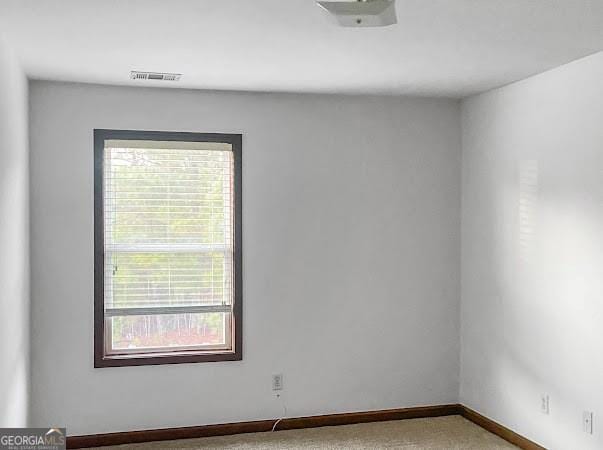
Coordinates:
(155, 76)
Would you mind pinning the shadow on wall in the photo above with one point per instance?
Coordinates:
(14, 244)
(549, 313)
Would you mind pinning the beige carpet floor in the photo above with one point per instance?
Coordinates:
(440, 433)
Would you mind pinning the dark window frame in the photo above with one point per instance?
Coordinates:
(102, 360)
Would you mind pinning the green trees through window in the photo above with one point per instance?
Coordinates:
(168, 233)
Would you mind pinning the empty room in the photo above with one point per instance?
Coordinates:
(301, 224)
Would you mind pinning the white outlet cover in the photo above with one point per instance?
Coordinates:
(277, 382)
(587, 422)
(544, 404)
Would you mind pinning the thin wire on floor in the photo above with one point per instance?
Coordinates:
(284, 413)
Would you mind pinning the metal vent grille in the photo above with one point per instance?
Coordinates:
(154, 76)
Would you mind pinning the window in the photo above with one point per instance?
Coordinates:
(167, 224)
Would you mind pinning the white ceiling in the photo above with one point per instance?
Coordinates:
(439, 47)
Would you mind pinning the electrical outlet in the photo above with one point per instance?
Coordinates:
(544, 404)
(587, 422)
(277, 382)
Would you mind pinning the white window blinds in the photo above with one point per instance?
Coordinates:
(168, 242)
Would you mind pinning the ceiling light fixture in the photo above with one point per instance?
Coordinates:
(361, 13)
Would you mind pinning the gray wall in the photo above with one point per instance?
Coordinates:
(14, 244)
(351, 228)
(532, 278)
